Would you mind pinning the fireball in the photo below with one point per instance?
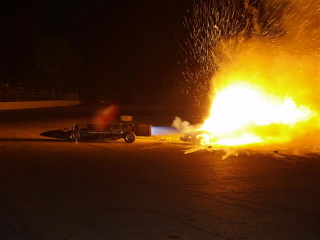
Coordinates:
(261, 64)
(243, 113)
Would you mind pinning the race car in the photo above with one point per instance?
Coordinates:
(111, 131)
(125, 129)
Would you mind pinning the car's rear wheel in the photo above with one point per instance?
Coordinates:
(130, 137)
(74, 136)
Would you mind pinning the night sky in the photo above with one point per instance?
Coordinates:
(122, 44)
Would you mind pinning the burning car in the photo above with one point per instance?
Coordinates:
(192, 136)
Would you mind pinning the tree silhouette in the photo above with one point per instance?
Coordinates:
(54, 65)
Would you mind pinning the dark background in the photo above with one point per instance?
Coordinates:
(128, 49)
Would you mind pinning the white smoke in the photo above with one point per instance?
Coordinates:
(182, 126)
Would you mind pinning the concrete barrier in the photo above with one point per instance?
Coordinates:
(37, 104)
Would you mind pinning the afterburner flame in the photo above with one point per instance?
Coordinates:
(243, 113)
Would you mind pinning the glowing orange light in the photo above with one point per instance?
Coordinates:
(243, 113)
(265, 75)
(105, 114)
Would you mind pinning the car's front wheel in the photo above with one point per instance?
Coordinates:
(74, 136)
(130, 137)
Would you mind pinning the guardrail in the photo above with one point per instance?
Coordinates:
(17, 97)
(37, 104)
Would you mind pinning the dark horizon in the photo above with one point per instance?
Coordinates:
(129, 46)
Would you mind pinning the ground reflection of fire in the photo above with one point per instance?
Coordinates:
(266, 88)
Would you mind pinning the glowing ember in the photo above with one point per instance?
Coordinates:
(243, 114)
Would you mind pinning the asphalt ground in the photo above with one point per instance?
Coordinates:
(150, 189)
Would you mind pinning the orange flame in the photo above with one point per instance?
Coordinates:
(243, 113)
(266, 88)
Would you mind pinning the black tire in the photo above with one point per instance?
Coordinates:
(130, 137)
(74, 136)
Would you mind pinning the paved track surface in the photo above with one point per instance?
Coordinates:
(53, 189)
